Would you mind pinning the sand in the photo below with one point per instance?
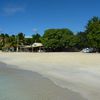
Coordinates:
(17, 84)
(78, 72)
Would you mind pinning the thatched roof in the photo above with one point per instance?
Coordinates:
(27, 46)
(33, 45)
(37, 45)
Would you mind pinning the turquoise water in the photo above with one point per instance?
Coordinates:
(13, 85)
(26, 85)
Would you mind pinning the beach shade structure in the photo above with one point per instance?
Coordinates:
(37, 47)
(26, 48)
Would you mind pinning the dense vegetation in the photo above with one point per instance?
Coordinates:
(58, 39)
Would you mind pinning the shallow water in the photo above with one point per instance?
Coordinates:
(18, 84)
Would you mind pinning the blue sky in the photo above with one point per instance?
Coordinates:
(30, 16)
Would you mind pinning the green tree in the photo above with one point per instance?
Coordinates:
(56, 39)
(28, 41)
(2, 39)
(83, 40)
(12, 40)
(20, 38)
(93, 25)
(93, 32)
(36, 38)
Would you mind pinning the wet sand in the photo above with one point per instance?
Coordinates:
(77, 72)
(17, 84)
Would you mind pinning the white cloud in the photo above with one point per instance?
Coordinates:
(10, 10)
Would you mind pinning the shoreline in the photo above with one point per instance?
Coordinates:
(34, 85)
(74, 71)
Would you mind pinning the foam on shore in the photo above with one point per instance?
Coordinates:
(17, 84)
(78, 72)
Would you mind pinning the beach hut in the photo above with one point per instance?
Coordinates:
(26, 48)
(37, 47)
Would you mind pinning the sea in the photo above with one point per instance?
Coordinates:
(17, 84)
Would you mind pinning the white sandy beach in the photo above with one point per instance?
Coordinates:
(79, 72)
